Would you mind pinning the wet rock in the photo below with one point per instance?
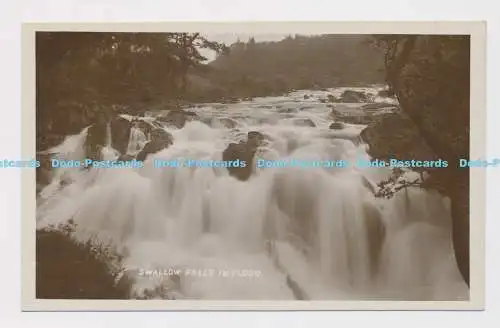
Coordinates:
(125, 157)
(398, 136)
(363, 116)
(332, 98)
(255, 139)
(145, 127)
(96, 139)
(120, 133)
(298, 292)
(287, 110)
(373, 106)
(228, 122)
(177, 117)
(351, 96)
(160, 139)
(385, 93)
(337, 126)
(304, 122)
(243, 151)
(239, 152)
(356, 119)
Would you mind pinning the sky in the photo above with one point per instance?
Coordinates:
(230, 38)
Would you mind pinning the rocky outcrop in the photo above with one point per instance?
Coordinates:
(336, 126)
(304, 122)
(430, 76)
(160, 139)
(377, 106)
(243, 151)
(177, 117)
(365, 114)
(227, 122)
(120, 133)
(351, 96)
(397, 136)
(332, 98)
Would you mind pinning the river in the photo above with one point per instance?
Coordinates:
(286, 233)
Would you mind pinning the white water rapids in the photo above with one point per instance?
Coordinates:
(203, 219)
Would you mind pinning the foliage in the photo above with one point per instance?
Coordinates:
(297, 62)
(79, 73)
(66, 268)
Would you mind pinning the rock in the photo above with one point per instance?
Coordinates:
(125, 157)
(377, 106)
(177, 117)
(145, 127)
(239, 152)
(361, 116)
(306, 96)
(160, 139)
(351, 96)
(243, 151)
(287, 110)
(356, 119)
(298, 292)
(337, 126)
(255, 138)
(120, 133)
(396, 135)
(96, 139)
(304, 122)
(385, 93)
(332, 98)
(228, 122)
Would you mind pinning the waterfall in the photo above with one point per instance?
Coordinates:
(316, 232)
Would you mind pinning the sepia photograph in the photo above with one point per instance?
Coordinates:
(227, 166)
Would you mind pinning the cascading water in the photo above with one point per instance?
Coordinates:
(286, 233)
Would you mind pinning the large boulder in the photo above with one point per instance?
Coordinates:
(337, 126)
(363, 115)
(96, 139)
(177, 117)
(351, 96)
(332, 98)
(307, 122)
(120, 133)
(160, 139)
(396, 135)
(243, 151)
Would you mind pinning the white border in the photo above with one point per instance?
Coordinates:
(477, 132)
(14, 12)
